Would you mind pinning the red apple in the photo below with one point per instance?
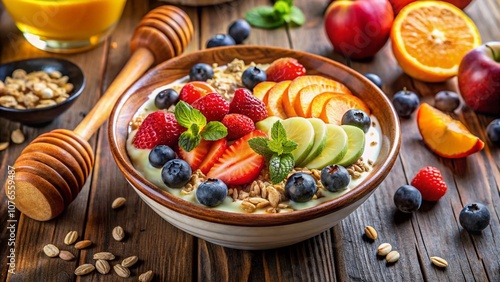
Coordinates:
(360, 28)
(397, 5)
(479, 78)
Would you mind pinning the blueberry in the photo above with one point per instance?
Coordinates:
(176, 173)
(166, 98)
(493, 131)
(357, 118)
(220, 40)
(474, 217)
(201, 72)
(300, 187)
(335, 177)
(407, 199)
(160, 155)
(446, 101)
(405, 102)
(211, 192)
(375, 79)
(253, 76)
(239, 30)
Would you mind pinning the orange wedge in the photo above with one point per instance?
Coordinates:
(303, 81)
(430, 38)
(260, 90)
(306, 95)
(274, 99)
(338, 104)
(445, 136)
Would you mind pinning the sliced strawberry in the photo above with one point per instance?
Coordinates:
(216, 150)
(194, 90)
(285, 69)
(237, 126)
(158, 128)
(245, 103)
(196, 156)
(239, 164)
(212, 106)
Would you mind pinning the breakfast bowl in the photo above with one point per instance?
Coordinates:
(236, 228)
(68, 75)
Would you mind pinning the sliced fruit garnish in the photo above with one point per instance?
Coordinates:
(445, 136)
(274, 98)
(319, 140)
(355, 145)
(303, 81)
(318, 103)
(336, 107)
(196, 156)
(284, 69)
(216, 150)
(266, 124)
(430, 38)
(334, 150)
(194, 90)
(239, 164)
(307, 94)
(301, 131)
(260, 90)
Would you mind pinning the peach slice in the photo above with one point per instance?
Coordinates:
(303, 81)
(274, 99)
(307, 94)
(260, 90)
(338, 104)
(318, 103)
(445, 136)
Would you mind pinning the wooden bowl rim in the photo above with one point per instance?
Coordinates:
(243, 219)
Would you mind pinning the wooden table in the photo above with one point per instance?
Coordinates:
(340, 253)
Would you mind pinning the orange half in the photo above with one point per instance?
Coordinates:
(444, 135)
(430, 38)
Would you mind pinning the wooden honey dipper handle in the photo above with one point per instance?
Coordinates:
(53, 168)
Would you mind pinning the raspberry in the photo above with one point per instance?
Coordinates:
(237, 126)
(212, 106)
(246, 104)
(285, 69)
(158, 128)
(430, 183)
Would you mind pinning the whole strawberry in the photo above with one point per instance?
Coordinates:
(246, 104)
(158, 128)
(212, 106)
(285, 69)
(237, 126)
(430, 183)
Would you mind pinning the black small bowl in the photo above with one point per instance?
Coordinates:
(42, 116)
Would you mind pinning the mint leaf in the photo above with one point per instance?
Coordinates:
(296, 16)
(281, 8)
(186, 115)
(288, 146)
(275, 146)
(260, 146)
(214, 130)
(183, 114)
(280, 167)
(263, 17)
(188, 141)
(278, 132)
(194, 129)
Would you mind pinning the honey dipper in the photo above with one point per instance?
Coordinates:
(53, 168)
